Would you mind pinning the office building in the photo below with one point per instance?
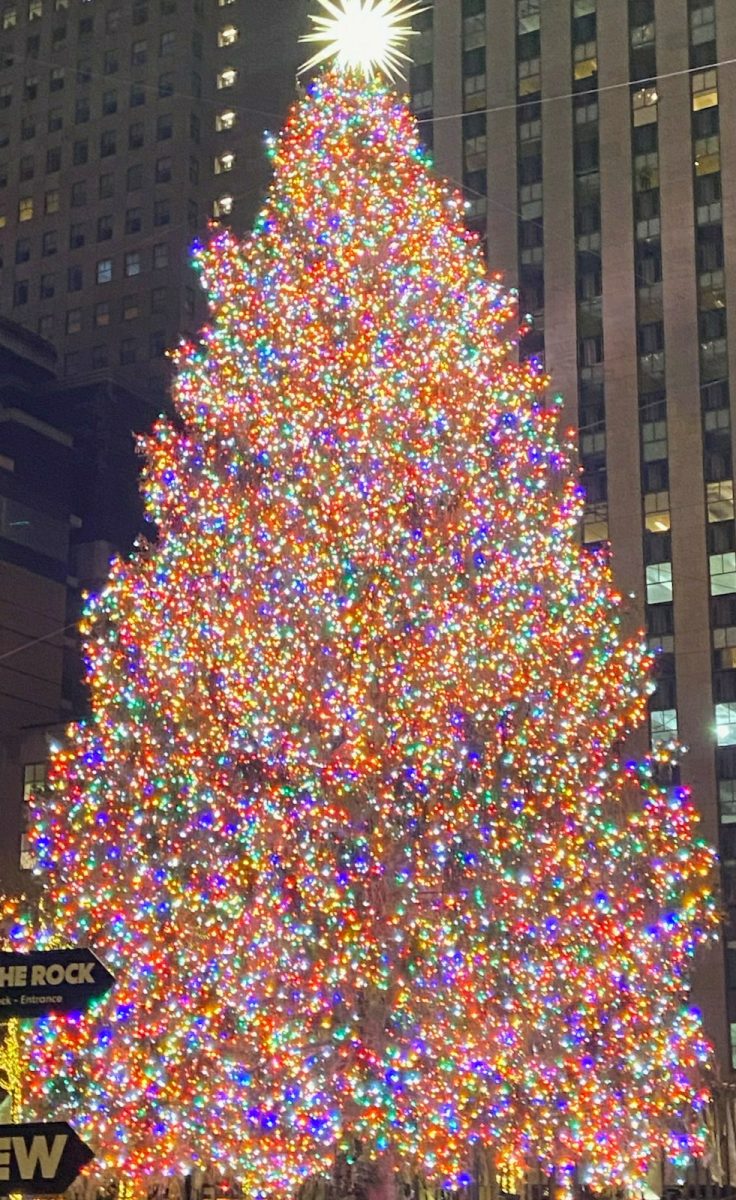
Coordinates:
(596, 143)
(125, 125)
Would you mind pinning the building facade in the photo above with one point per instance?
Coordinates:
(125, 126)
(595, 141)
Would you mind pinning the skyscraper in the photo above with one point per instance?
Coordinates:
(125, 126)
(596, 143)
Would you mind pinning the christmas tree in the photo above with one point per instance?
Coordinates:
(349, 820)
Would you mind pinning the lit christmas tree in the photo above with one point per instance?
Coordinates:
(349, 820)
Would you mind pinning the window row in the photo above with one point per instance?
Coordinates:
(104, 272)
(139, 10)
(78, 230)
(129, 351)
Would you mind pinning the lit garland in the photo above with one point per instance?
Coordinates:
(348, 821)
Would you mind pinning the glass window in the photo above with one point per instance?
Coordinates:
(223, 206)
(46, 325)
(107, 143)
(227, 36)
(127, 351)
(35, 10)
(55, 120)
(225, 120)
(74, 280)
(164, 127)
(227, 78)
(138, 54)
(22, 250)
(110, 62)
(160, 256)
(26, 168)
(21, 292)
(133, 220)
(104, 228)
(25, 208)
(104, 270)
(49, 242)
(10, 16)
(659, 583)
(224, 162)
(657, 512)
(47, 288)
(162, 212)
(51, 201)
(74, 320)
(99, 356)
(163, 170)
(644, 106)
(106, 187)
(133, 262)
(720, 500)
(167, 43)
(166, 85)
(722, 573)
(158, 300)
(130, 308)
(726, 724)
(134, 178)
(704, 86)
(112, 20)
(137, 95)
(663, 726)
(102, 314)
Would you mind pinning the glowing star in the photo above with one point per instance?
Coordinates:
(363, 35)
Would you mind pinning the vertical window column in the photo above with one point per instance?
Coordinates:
(529, 181)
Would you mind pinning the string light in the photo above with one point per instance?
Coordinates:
(348, 820)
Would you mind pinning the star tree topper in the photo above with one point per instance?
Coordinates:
(363, 35)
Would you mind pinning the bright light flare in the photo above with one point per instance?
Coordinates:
(363, 35)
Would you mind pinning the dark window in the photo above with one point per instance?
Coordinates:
(58, 37)
(112, 20)
(20, 292)
(140, 12)
(79, 194)
(80, 152)
(106, 186)
(197, 44)
(74, 279)
(134, 178)
(194, 127)
(84, 72)
(81, 110)
(76, 236)
(49, 243)
(30, 87)
(167, 43)
(109, 103)
(133, 220)
(158, 343)
(99, 356)
(33, 45)
(138, 54)
(158, 300)
(86, 27)
(47, 287)
(104, 228)
(55, 120)
(22, 250)
(107, 143)
(25, 168)
(137, 95)
(163, 170)
(53, 159)
(127, 351)
(161, 212)
(110, 62)
(193, 169)
(27, 129)
(196, 85)
(135, 136)
(166, 84)
(164, 127)
(192, 213)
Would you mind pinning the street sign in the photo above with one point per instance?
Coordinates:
(45, 981)
(40, 1160)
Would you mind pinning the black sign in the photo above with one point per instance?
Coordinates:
(40, 1160)
(32, 985)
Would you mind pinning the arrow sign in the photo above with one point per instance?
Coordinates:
(45, 981)
(40, 1160)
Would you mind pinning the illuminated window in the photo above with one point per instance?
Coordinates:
(707, 155)
(227, 78)
(25, 208)
(724, 645)
(102, 314)
(34, 781)
(10, 17)
(51, 202)
(726, 724)
(131, 308)
(35, 10)
(223, 206)
(227, 36)
(530, 77)
(704, 89)
(474, 151)
(224, 162)
(528, 15)
(595, 523)
(474, 31)
(644, 106)
(586, 60)
(225, 120)
(104, 270)
(659, 583)
(657, 512)
(133, 263)
(722, 569)
(474, 90)
(663, 726)
(720, 499)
